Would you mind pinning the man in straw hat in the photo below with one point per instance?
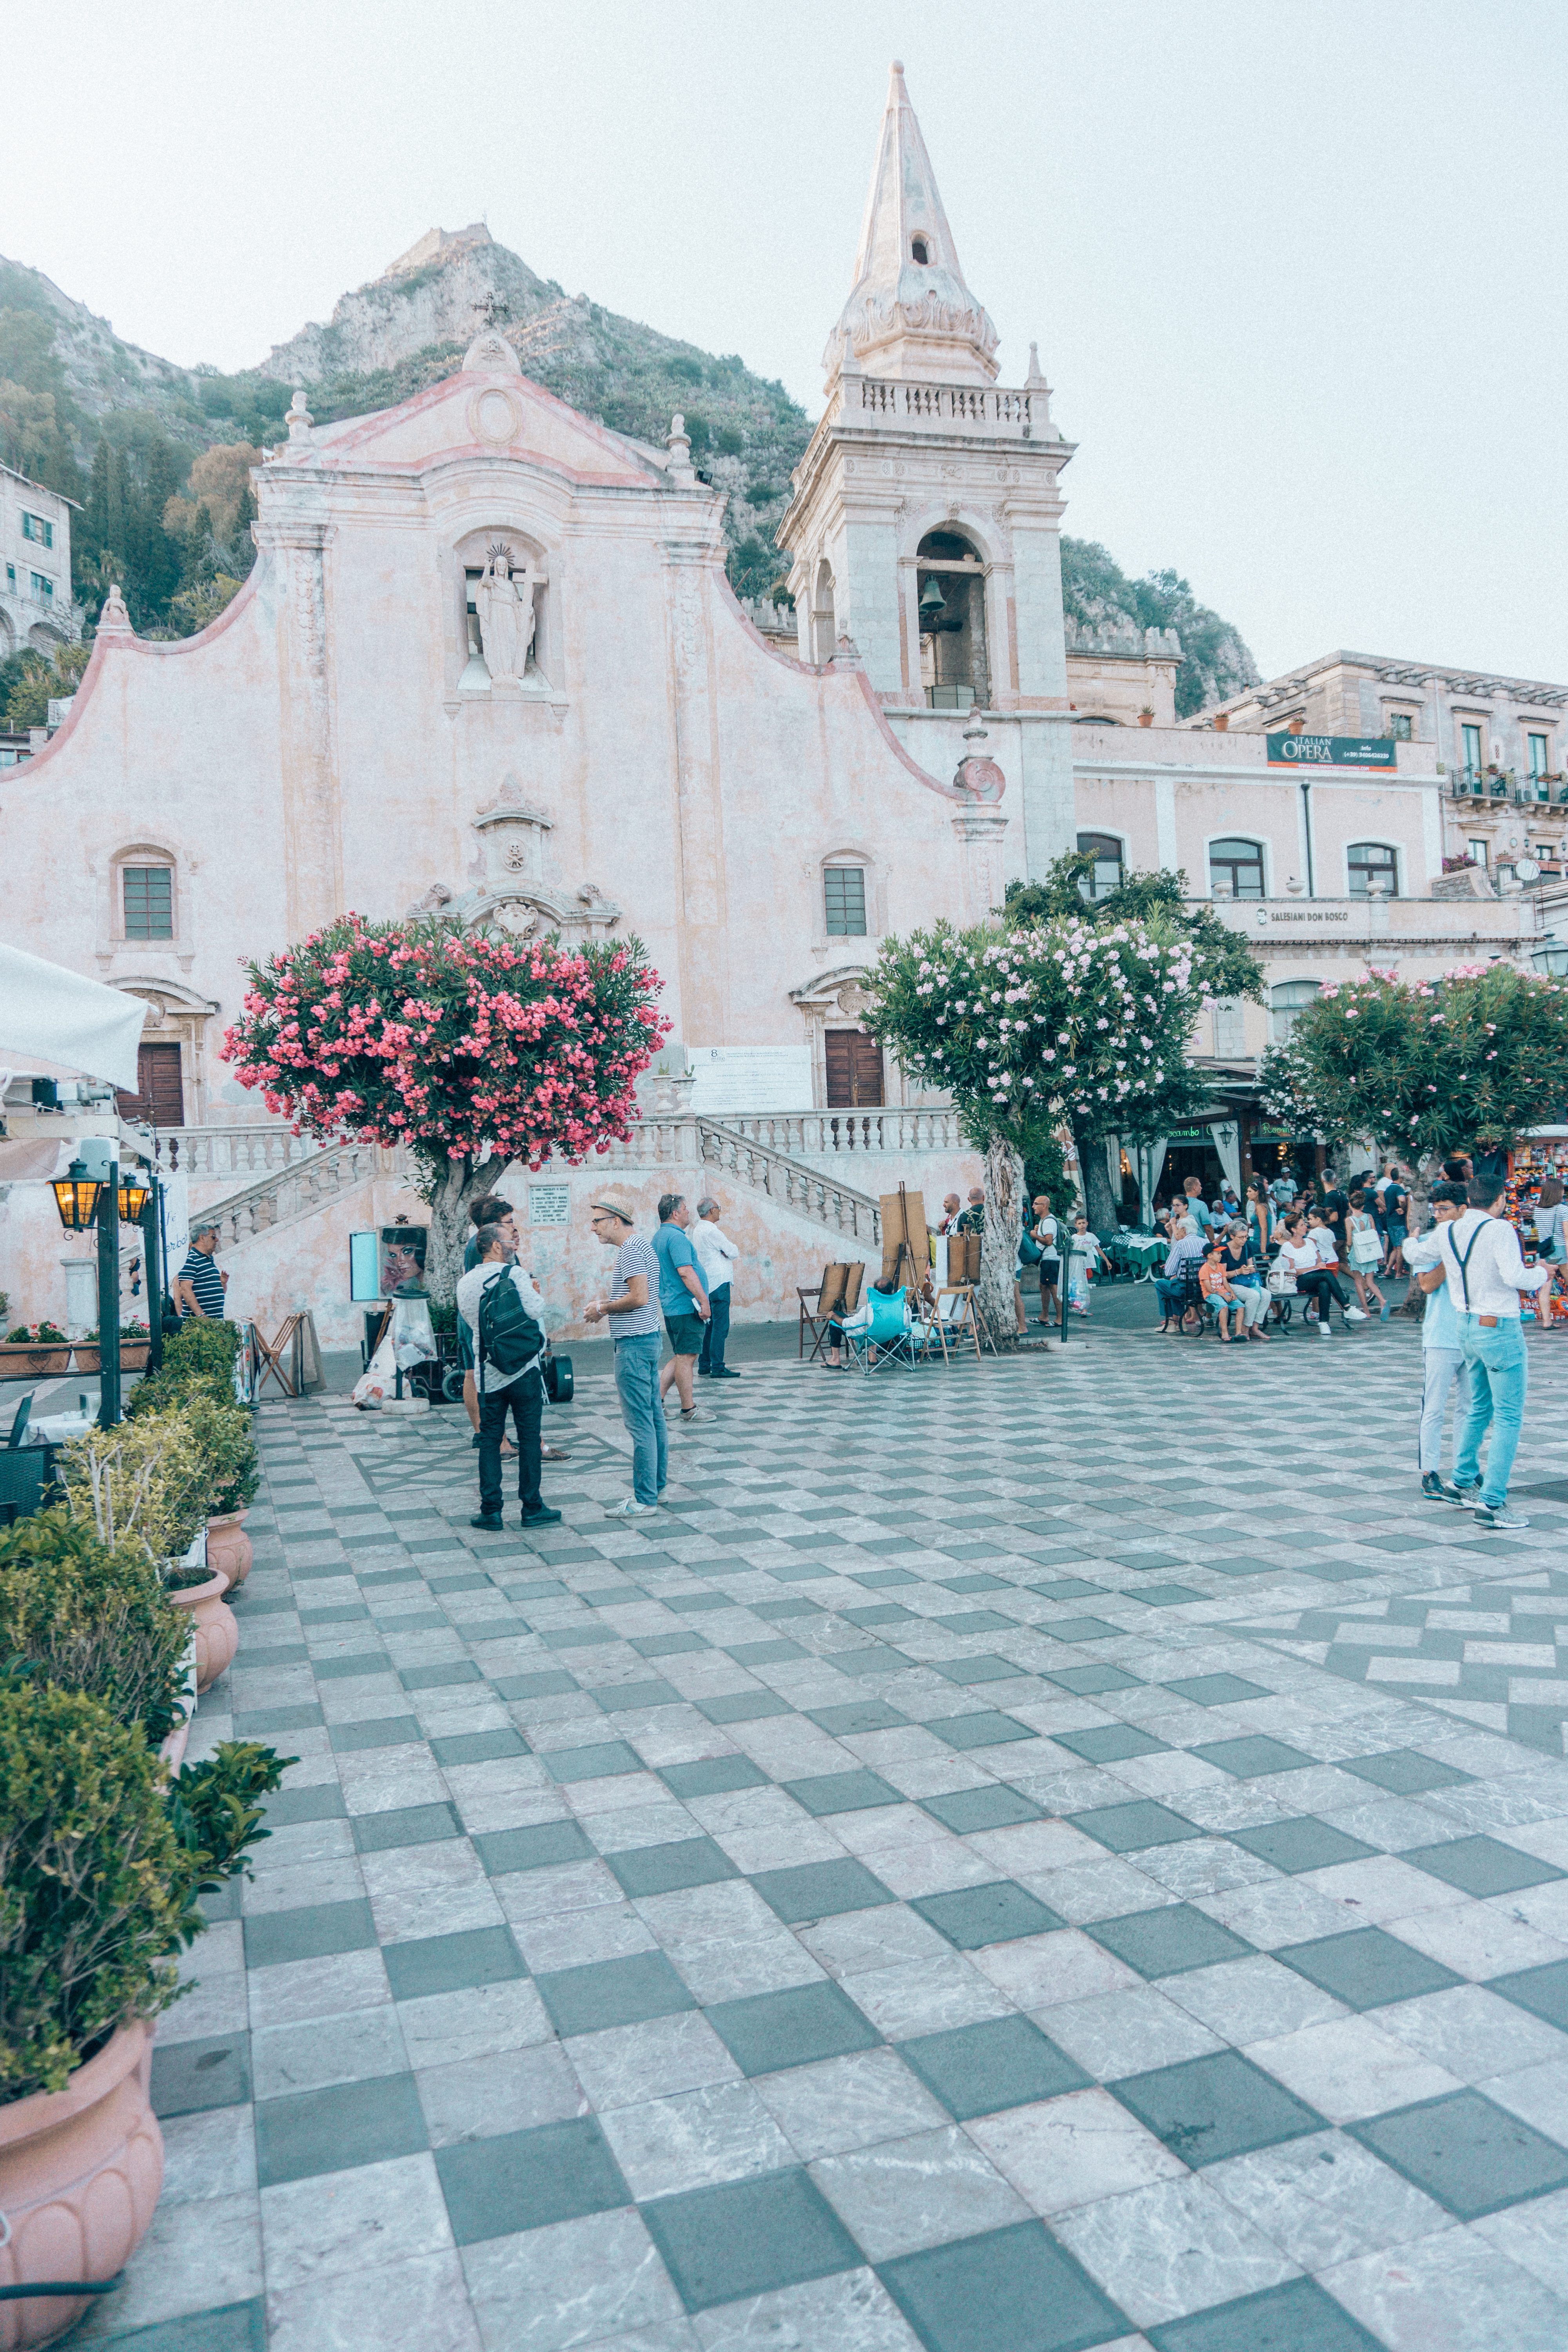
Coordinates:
(631, 1309)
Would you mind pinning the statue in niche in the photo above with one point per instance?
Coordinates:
(505, 601)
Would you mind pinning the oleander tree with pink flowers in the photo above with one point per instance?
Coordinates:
(1040, 1026)
(473, 1050)
(1424, 1068)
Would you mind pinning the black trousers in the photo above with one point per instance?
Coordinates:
(1322, 1286)
(715, 1331)
(524, 1401)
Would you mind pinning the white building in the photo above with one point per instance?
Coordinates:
(36, 607)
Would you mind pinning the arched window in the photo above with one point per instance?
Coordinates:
(1236, 870)
(950, 584)
(1287, 1000)
(1107, 853)
(1372, 863)
(844, 901)
(144, 894)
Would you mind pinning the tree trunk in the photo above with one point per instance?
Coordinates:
(462, 1185)
(1104, 1211)
(999, 1251)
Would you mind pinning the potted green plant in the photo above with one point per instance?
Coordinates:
(147, 1483)
(90, 1618)
(100, 1861)
(34, 1351)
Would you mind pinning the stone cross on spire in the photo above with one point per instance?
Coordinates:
(909, 314)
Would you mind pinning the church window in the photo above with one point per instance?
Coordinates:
(149, 902)
(1372, 862)
(1236, 870)
(920, 250)
(844, 894)
(949, 590)
(1286, 1005)
(1106, 875)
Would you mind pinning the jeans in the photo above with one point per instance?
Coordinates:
(1499, 1374)
(524, 1400)
(1172, 1293)
(636, 1379)
(715, 1331)
(1442, 1368)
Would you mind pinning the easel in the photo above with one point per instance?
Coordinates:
(904, 1215)
(297, 1335)
(954, 1319)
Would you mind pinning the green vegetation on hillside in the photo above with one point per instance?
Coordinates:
(1215, 662)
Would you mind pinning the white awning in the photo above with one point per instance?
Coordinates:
(60, 1017)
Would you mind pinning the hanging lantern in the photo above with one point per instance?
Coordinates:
(933, 602)
(133, 1198)
(76, 1197)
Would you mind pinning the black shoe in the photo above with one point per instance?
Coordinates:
(703, 1373)
(541, 1518)
(723, 1373)
(1435, 1489)
(489, 1520)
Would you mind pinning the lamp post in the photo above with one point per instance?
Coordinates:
(1551, 958)
(108, 1296)
(153, 1258)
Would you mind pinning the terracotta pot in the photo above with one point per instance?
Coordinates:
(217, 1635)
(229, 1548)
(19, 1361)
(80, 2172)
(133, 1354)
(1145, 718)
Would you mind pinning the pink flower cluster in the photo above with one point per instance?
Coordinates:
(447, 1040)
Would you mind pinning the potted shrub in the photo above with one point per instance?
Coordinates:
(135, 1340)
(147, 1483)
(34, 1351)
(1146, 716)
(101, 1863)
(91, 1619)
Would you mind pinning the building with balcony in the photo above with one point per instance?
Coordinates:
(36, 607)
(1500, 744)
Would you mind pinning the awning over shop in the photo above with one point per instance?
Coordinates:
(57, 1016)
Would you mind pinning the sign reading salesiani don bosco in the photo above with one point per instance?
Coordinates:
(1331, 751)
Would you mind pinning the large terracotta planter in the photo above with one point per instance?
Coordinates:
(80, 2172)
(217, 1635)
(229, 1548)
(23, 1362)
(133, 1354)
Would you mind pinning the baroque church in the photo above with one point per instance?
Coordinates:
(488, 662)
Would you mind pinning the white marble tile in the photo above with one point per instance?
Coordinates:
(720, 2132)
(1326, 2199)
(1172, 2248)
(921, 2192)
(421, 2302)
(572, 2283)
(1453, 2293)
(205, 2253)
(926, 1996)
(1474, 2032)
(849, 2312)
(622, 2066)
(1036, 1972)
(1115, 2034)
(443, 2029)
(1059, 2153)
(1534, 2235)
(847, 2102)
(347, 2221)
(317, 2051)
(1350, 2068)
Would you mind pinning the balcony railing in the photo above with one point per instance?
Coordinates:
(946, 407)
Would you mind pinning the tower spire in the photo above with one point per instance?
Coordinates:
(909, 313)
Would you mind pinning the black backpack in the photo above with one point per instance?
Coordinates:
(508, 1337)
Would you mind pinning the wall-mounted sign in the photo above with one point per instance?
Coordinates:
(1331, 751)
(549, 1205)
(381, 1260)
(750, 1077)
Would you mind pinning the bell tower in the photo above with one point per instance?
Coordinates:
(924, 522)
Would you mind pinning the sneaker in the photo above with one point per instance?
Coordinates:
(1499, 1516)
(698, 1412)
(1323, 1328)
(631, 1509)
(489, 1520)
(543, 1518)
(1355, 1315)
(1435, 1489)
(553, 1453)
(1469, 1496)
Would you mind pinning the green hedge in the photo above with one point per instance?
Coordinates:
(74, 1613)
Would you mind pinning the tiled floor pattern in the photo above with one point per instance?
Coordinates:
(1046, 1856)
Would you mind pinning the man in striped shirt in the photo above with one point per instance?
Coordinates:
(199, 1288)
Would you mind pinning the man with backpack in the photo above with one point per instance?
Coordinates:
(506, 1314)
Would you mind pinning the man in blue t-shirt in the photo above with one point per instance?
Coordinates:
(684, 1300)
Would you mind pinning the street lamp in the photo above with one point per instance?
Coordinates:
(1551, 958)
(76, 1197)
(133, 1198)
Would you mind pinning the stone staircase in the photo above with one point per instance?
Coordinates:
(304, 1179)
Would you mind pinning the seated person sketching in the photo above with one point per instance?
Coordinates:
(859, 1319)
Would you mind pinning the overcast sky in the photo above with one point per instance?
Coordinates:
(1295, 270)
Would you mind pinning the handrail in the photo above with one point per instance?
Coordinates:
(790, 1181)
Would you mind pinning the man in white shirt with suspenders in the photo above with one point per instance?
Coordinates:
(1485, 1273)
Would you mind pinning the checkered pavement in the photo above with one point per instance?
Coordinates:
(1049, 1855)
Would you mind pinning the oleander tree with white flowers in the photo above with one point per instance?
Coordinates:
(1422, 1068)
(1038, 1026)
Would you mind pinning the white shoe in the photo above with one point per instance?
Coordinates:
(1355, 1315)
(632, 1509)
(1323, 1328)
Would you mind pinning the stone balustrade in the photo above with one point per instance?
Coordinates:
(945, 407)
(812, 1133)
(209, 1154)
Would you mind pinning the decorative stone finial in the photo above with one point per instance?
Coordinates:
(114, 615)
(678, 441)
(299, 417)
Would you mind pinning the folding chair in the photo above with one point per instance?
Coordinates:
(887, 1338)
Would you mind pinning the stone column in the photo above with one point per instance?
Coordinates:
(704, 949)
(978, 832)
(312, 816)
